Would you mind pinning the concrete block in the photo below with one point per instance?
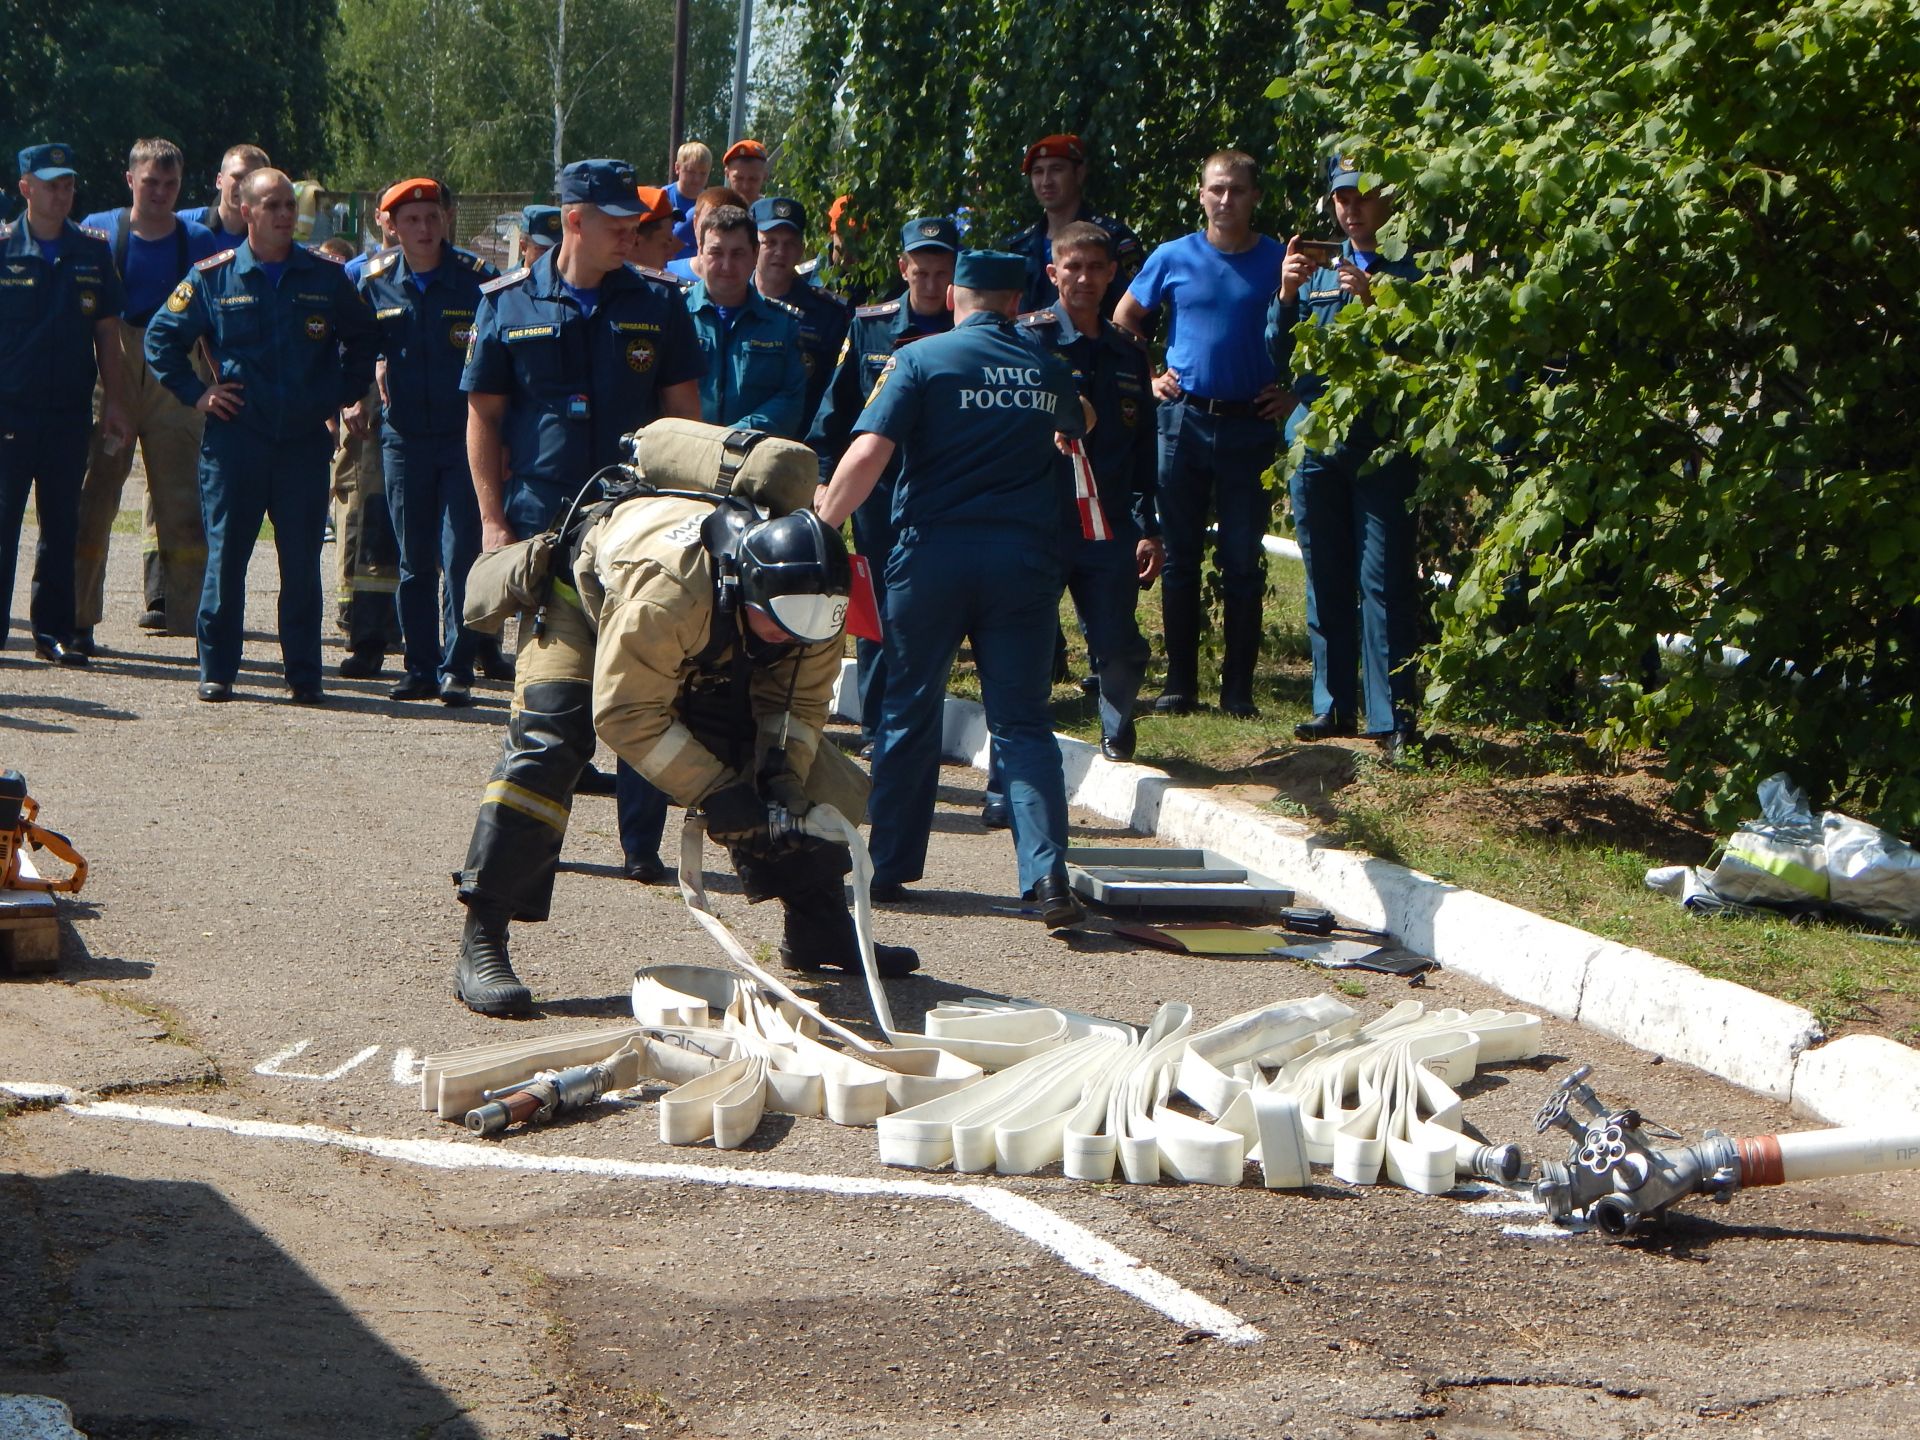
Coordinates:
(36, 1417)
(1723, 1028)
(1865, 1080)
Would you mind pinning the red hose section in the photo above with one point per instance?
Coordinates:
(1760, 1161)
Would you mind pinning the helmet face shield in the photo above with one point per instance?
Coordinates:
(809, 619)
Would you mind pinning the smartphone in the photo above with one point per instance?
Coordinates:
(1324, 252)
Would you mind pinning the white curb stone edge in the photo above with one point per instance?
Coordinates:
(1654, 1004)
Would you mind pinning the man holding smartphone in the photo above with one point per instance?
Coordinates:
(1351, 515)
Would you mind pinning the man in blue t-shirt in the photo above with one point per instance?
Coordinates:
(223, 217)
(153, 249)
(692, 164)
(1217, 437)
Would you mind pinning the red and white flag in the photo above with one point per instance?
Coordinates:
(1093, 520)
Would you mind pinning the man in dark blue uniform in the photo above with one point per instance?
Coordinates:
(539, 231)
(566, 357)
(224, 217)
(293, 344)
(424, 295)
(1056, 167)
(823, 317)
(1219, 405)
(59, 296)
(973, 415)
(927, 249)
(1352, 515)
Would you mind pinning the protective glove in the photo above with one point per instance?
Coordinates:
(785, 789)
(736, 814)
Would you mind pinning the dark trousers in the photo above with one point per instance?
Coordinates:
(437, 520)
(45, 453)
(939, 592)
(1356, 532)
(245, 478)
(873, 537)
(642, 811)
(1212, 464)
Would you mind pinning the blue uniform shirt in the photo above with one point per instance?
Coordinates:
(303, 347)
(823, 329)
(1320, 300)
(875, 332)
(576, 383)
(1035, 244)
(1113, 372)
(682, 219)
(1216, 340)
(208, 216)
(974, 413)
(149, 269)
(424, 335)
(47, 313)
(755, 376)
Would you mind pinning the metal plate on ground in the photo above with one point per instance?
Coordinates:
(1140, 878)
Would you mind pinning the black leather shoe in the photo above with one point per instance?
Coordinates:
(455, 693)
(1400, 747)
(594, 781)
(215, 691)
(57, 652)
(306, 695)
(888, 892)
(1240, 707)
(152, 620)
(363, 664)
(483, 977)
(1323, 726)
(1172, 702)
(83, 641)
(644, 869)
(414, 687)
(492, 665)
(1090, 686)
(1119, 746)
(996, 814)
(1060, 908)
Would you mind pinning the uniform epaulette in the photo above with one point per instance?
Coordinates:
(97, 234)
(467, 258)
(512, 277)
(885, 307)
(382, 263)
(327, 255)
(807, 267)
(213, 262)
(1120, 332)
(1038, 317)
(6, 231)
(679, 282)
(786, 305)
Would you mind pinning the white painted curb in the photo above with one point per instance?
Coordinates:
(1754, 1040)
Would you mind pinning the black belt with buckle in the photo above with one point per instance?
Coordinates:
(1226, 409)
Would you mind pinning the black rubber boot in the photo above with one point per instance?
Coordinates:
(818, 934)
(1180, 619)
(484, 978)
(1242, 645)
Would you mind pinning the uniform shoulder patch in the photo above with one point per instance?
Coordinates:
(869, 312)
(382, 262)
(786, 305)
(214, 262)
(1025, 237)
(469, 259)
(807, 267)
(665, 277)
(327, 255)
(1035, 318)
(512, 277)
(95, 232)
(1126, 337)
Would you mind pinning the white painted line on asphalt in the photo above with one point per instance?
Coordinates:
(1074, 1244)
(271, 1065)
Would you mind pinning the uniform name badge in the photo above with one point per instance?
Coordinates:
(579, 407)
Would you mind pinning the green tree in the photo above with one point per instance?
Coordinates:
(1664, 373)
(204, 73)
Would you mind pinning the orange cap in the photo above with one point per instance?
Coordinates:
(743, 150)
(655, 199)
(835, 211)
(1054, 147)
(407, 191)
